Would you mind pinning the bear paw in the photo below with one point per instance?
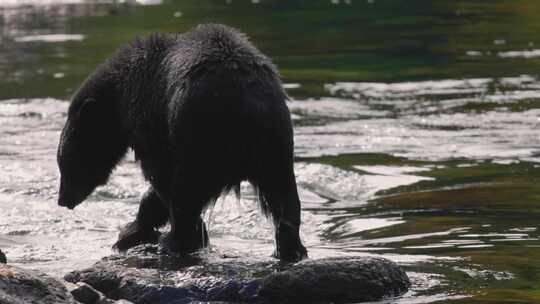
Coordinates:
(291, 255)
(132, 235)
(170, 244)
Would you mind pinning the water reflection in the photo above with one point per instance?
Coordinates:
(50, 38)
(44, 17)
(22, 3)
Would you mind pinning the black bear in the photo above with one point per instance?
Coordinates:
(203, 111)
(3, 259)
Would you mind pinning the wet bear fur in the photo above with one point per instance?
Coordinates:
(202, 111)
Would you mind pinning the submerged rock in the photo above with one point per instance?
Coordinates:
(21, 286)
(144, 276)
(86, 294)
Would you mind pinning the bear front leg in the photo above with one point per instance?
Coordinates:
(152, 214)
(190, 195)
(186, 236)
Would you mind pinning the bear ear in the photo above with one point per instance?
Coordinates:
(88, 109)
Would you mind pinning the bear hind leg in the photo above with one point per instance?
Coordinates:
(278, 196)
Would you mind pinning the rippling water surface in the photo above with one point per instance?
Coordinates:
(417, 135)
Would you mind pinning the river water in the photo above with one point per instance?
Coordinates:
(416, 129)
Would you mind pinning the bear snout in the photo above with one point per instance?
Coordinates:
(70, 197)
(66, 204)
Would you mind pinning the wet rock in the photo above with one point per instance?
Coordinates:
(85, 294)
(3, 258)
(342, 280)
(21, 286)
(143, 276)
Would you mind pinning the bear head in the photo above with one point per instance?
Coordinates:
(91, 142)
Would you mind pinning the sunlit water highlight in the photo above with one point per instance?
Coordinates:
(406, 118)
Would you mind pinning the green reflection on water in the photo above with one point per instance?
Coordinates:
(313, 42)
